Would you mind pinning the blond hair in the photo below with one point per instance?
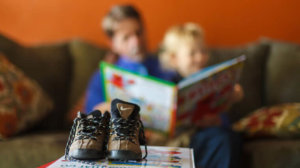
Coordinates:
(176, 36)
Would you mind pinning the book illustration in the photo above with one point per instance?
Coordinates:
(209, 95)
(155, 109)
(158, 157)
(164, 105)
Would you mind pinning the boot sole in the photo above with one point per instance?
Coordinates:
(87, 154)
(123, 155)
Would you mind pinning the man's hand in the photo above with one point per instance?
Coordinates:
(111, 58)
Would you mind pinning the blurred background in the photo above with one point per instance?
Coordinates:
(226, 23)
(56, 46)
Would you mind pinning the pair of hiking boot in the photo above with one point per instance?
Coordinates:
(117, 136)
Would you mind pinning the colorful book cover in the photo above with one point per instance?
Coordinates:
(158, 157)
(157, 98)
(165, 105)
(208, 92)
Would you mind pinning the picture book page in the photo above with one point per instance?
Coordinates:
(209, 94)
(156, 98)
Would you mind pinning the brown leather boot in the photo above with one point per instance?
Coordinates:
(126, 132)
(88, 137)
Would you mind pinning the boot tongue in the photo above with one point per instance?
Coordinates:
(95, 113)
(125, 109)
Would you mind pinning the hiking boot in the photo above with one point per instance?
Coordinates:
(126, 132)
(88, 137)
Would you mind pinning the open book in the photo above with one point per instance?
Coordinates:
(166, 105)
(158, 157)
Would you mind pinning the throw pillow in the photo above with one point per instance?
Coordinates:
(22, 102)
(275, 121)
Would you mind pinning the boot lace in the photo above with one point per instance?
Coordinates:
(125, 129)
(89, 128)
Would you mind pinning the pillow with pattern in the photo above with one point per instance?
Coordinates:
(275, 121)
(22, 101)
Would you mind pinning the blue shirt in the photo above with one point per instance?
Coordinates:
(150, 66)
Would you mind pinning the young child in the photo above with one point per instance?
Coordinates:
(183, 50)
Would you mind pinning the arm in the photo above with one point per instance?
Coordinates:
(94, 94)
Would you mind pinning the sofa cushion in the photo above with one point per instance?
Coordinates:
(86, 58)
(50, 65)
(283, 73)
(22, 102)
(275, 121)
(252, 77)
(32, 150)
(271, 153)
(8, 46)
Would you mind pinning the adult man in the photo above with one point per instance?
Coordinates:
(124, 27)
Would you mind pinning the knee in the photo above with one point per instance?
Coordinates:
(217, 135)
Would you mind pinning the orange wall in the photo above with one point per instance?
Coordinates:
(226, 23)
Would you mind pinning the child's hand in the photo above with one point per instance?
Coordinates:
(103, 107)
(209, 121)
(238, 93)
(236, 96)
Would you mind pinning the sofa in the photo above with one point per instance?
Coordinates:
(270, 76)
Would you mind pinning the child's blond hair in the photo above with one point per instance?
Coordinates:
(176, 36)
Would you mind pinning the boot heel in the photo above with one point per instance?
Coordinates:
(123, 155)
